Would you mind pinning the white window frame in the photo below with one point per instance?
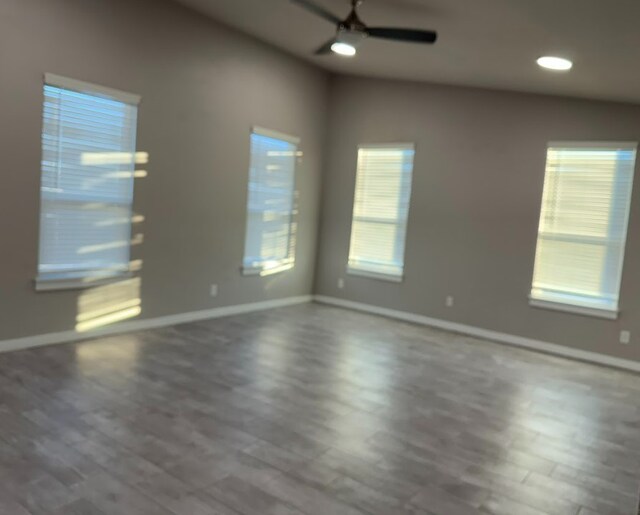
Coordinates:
(83, 279)
(288, 263)
(362, 271)
(572, 304)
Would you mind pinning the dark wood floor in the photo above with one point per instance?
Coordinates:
(313, 410)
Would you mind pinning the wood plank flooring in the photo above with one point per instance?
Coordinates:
(312, 410)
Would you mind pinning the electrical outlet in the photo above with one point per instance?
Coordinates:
(449, 301)
(625, 337)
(341, 283)
(213, 291)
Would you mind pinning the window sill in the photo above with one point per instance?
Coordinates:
(608, 314)
(78, 283)
(263, 271)
(375, 275)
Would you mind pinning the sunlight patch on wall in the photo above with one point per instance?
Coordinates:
(104, 305)
(113, 158)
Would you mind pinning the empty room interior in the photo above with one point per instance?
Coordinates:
(319, 257)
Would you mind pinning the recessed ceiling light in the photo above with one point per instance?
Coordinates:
(344, 49)
(555, 63)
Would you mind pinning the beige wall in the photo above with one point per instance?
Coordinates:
(203, 87)
(477, 188)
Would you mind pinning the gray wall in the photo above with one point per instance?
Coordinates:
(203, 87)
(477, 184)
(477, 189)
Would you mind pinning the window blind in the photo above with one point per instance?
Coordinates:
(583, 224)
(270, 234)
(86, 193)
(380, 210)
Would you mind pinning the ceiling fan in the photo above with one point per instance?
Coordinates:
(352, 31)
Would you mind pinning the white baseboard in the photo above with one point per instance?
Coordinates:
(151, 323)
(510, 339)
(181, 318)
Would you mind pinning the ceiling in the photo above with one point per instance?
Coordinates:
(486, 43)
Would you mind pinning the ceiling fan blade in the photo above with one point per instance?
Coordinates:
(408, 35)
(310, 5)
(326, 48)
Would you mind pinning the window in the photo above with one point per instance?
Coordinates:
(270, 237)
(380, 211)
(86, 192)
(583, 227)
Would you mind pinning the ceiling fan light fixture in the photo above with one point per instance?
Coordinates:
(343, 49)
(559, 64)
(352, 31)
